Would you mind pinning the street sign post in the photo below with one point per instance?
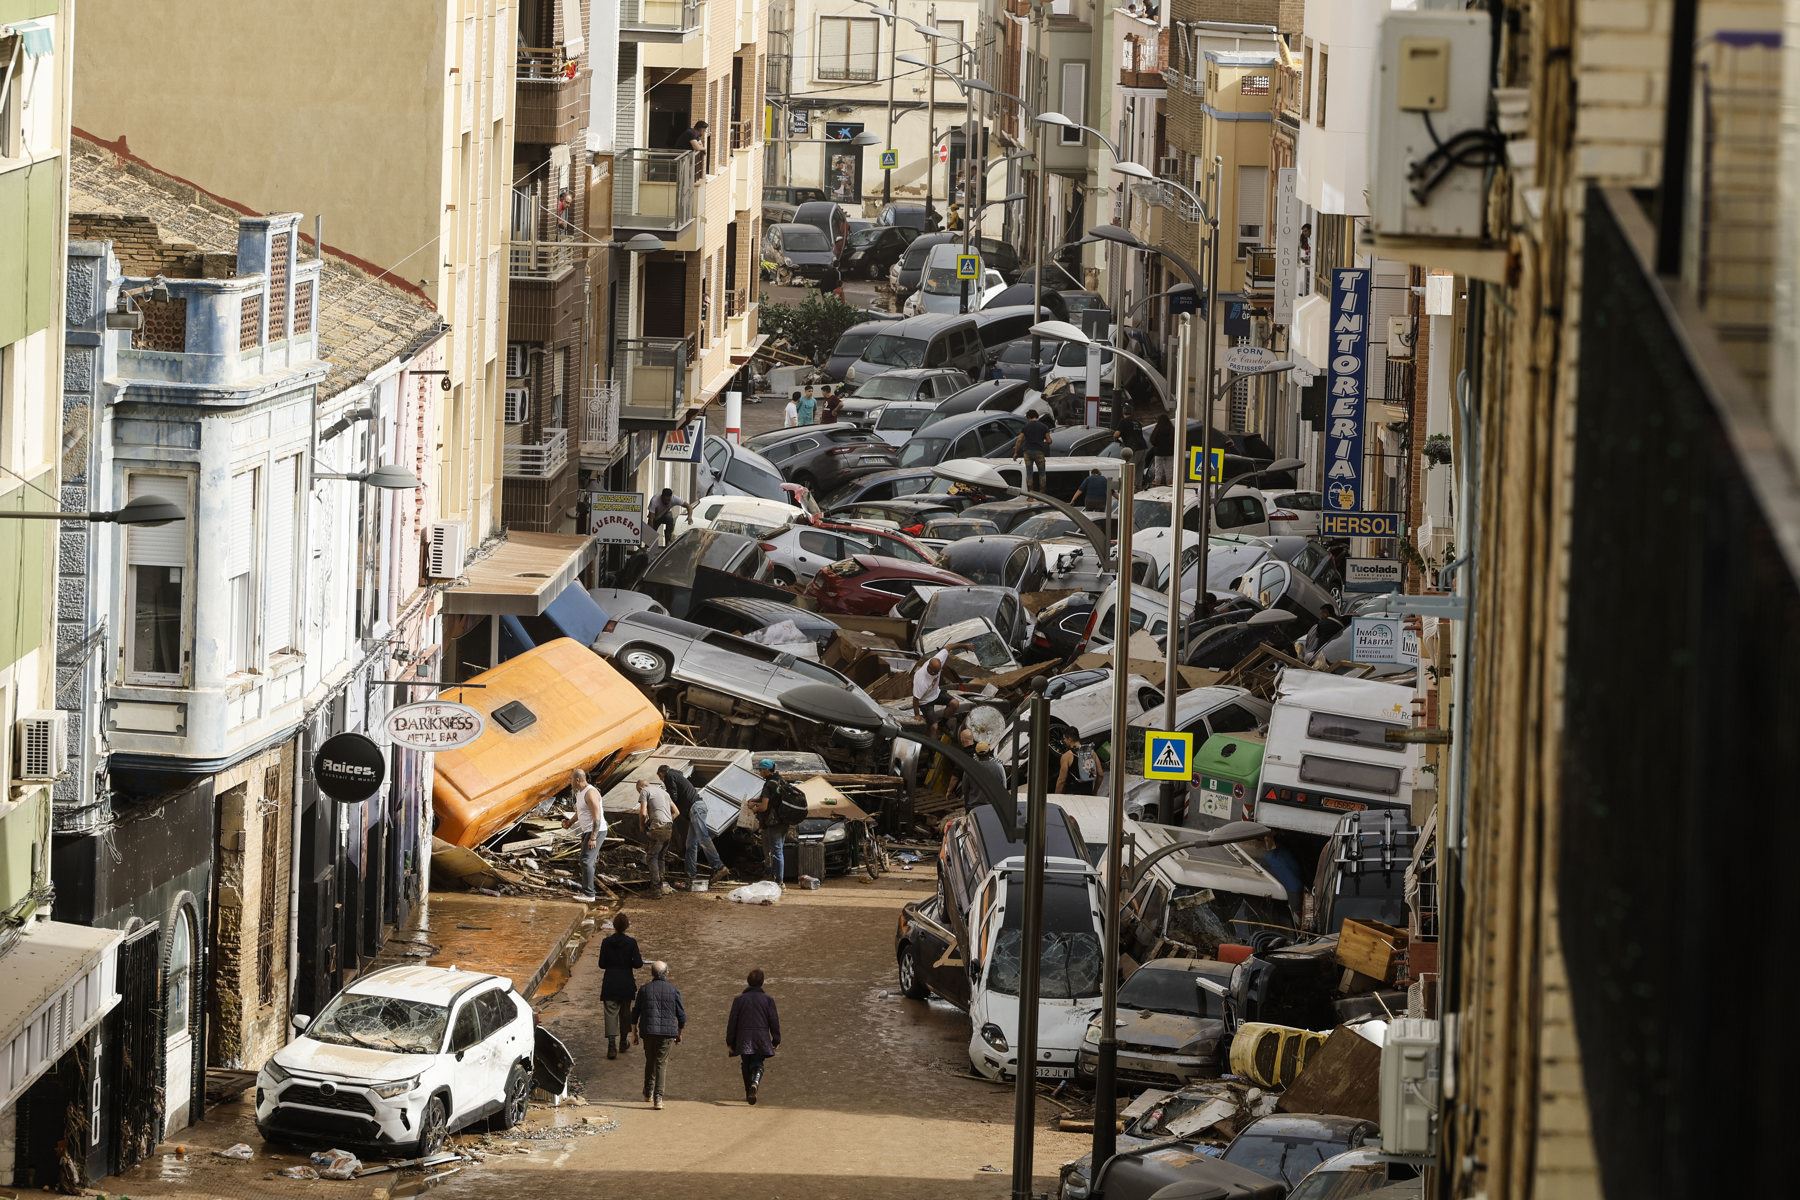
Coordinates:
(1244, 359)
(1372, 575)
(968, 266)
(1359, 524)
(1218, 465)
(1168, 755)
(890, 159)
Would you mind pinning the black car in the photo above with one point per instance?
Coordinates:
(1014, 360)
(989, 395)
(1079, 439)
(799, 252)
(785, 194)
(1007, 513)
(1225, 645)
(913, 214)
(823, 456)
(881, 485)
(947, 606)
(1019, 296)
(849, 348)
(997, 560)
(972, 435)
(872, 252)
(1062, 627)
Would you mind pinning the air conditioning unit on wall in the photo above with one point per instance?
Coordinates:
(42, 751)
(518, 406)
(445, 549)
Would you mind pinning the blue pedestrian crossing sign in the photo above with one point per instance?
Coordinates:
(1168, 755)
(1218, 465)
(968, 266)
(890, 159)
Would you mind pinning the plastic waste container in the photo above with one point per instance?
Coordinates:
(1226, 770)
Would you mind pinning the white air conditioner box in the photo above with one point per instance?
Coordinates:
(42, 751)
(447, 547)
(1409, 1087)
(1430, 136)
(518, 406)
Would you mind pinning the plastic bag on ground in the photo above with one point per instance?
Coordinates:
(241, 1152)
(298, 1172)
(336, 1164)
(766, 891)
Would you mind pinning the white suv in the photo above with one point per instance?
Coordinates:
(399, 1059)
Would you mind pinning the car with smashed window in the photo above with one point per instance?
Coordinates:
(870, 585)
(399, 1060)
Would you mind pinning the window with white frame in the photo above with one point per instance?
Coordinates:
(847, 48)
(156, 573)
(1073, 101)
(1252, 207)
(240, 572)
(949, 48)
(284, 552)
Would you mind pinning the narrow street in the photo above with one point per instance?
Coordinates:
(870, 1096)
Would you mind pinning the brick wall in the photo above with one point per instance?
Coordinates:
(247, 992)
(1285, 15)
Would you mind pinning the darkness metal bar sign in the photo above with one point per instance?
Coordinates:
(1347, 389)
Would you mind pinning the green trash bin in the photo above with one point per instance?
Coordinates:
(1226, 771)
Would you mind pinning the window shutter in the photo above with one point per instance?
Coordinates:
(283, 553)
(1074, 99)
(834, 45)
(1252, 202)
(865, 37)
(573, 41)
(242, 527)
(159, 545)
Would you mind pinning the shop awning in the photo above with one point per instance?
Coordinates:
(521, 575)
(61, 979)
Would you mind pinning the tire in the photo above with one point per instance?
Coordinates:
(912, 979)
(782, 577)
(644, 665)
(434, 1128)
(518, 1096)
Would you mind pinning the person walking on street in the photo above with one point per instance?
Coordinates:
(1162, 452)
(768, 807)
(698, 840)
(752, 1031)
(661, 516)
(590, 822)
(808, 406)
(833, 401)
(790, 416)
(656, 816)
(620, 960)
(1032, 445)
(659, 1019)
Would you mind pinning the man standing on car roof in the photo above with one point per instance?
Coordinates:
(767, 806)
(698, 840)
(659, 1018)
(1032, 445)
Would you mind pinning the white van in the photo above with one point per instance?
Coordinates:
(1327, 752)
(940, 291)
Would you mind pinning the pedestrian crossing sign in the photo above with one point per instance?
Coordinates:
(1168, 755)
(1218, 465)
(890, 159)
(968, 266)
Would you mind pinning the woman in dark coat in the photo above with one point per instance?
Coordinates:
(620, 960)
(753, 1031)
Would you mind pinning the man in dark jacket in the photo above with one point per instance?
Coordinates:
(698, 840)
(619, 961)
(1162, 452)
(752, 1031)
(659, 1018)
(766, 808)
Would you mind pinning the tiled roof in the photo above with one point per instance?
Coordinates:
(363, 321)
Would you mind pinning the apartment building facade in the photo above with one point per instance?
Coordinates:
(396, 129)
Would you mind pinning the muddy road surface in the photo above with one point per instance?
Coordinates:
(870, 1096)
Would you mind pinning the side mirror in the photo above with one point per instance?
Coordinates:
(301, 1021)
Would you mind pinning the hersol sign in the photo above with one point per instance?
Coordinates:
(434, 725)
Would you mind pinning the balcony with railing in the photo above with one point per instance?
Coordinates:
(652, 377)
(1161, 216)
(1141, 59)
(654, 191)
(552, 96)
(538, 489)
(538, 459)
(544, 259)
(1259, 273)
(600, 436)
(658, 20)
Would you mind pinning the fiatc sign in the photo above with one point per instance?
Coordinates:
(435, 725)
(349, 768)
(1346, 389)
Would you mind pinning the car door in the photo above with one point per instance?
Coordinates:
(816, 549)
(472, 1082)
(730, 665)
(941, 960)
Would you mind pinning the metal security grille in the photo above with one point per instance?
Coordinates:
(1679, 758)
(250, 321)
(164, 327)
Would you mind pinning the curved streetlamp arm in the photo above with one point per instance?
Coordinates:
(1093, 533)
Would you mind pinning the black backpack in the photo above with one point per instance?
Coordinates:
(789, 806)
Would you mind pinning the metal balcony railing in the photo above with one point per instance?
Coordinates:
(651, 374)
(659, 16)
(543, 260)
(600, 419)
(543, 64)
(1161, 195)
(738, 301)
(543, 459)
(743, 133)
(653, 189)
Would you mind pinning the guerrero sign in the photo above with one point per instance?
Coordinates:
(1346, 389)
(349, 768)
(434, 725)
(617, 518)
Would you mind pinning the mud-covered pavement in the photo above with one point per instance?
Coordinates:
(870, 1096)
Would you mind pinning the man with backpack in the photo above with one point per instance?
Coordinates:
(780, 805)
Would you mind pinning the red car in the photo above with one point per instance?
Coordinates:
(868, 585)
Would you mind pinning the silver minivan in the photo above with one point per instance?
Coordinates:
(930, 340)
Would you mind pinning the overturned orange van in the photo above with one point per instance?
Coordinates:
(551, 709)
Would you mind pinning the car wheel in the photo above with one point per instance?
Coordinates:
(912, 979)
(434, 1128)
(782, 577)
(644, 665)
(518, 1094)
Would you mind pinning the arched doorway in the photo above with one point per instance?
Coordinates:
(179, 990)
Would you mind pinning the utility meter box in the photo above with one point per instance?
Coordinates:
(1409, 1087)
(1429, 145)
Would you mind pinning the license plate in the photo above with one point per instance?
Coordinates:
(1056, 1072)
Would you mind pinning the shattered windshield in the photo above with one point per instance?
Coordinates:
(1070, 967)
(382, 1023)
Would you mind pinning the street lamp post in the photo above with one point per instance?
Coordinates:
(891, 17)
(1025, 1056)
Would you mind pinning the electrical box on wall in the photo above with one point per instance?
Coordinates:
(1431, 149)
